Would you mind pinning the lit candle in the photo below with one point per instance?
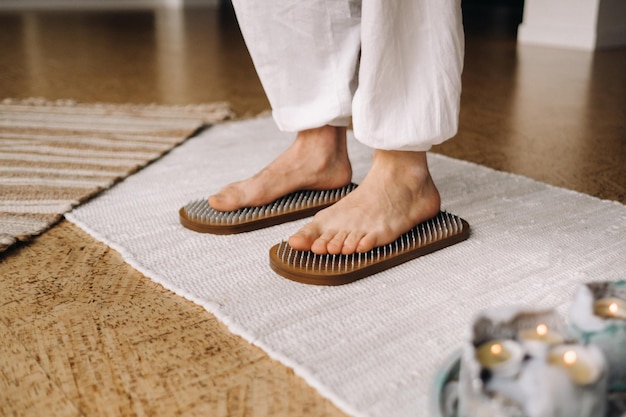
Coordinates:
(598, 317)
(501, 357)
(541, 333)
(610, 308)
(583, 364)
(537, 341)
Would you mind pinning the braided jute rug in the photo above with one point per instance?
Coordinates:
(374, 346)
(57, 154)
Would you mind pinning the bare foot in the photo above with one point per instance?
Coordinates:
(317, 160)
(397, 194)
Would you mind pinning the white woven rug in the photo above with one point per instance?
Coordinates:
(372, 347)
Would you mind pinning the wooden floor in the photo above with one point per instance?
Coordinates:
(82, 333)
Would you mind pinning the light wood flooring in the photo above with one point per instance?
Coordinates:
(82, 333)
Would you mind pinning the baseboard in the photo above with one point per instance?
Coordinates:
(566, 37)
(557, 36)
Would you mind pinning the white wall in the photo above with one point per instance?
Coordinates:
(583, 24)
(100, 4)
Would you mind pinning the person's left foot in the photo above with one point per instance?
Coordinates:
(397, 194)
(316, 160)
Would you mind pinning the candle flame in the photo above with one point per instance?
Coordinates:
(496, 348)
(613, 308)
(542, 330)
(569, 357)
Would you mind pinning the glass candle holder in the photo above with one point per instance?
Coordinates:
(598, 317)
(583, 364)
(505, 371)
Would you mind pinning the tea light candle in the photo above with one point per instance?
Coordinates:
(610, 308)
(501, 357)
(536, 341)
(583, 365)
(598, 316)
(541, 333)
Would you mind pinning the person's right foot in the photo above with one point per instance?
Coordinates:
(397, 194)
(317, 160)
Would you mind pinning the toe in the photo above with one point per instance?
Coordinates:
(320, 246)
(366, 243)
(226, 200)
(335, 245)
(351, 242)
(303, 239)
(216, 200)
(219, 201)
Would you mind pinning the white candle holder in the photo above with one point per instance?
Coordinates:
(597, 315)
(522, 383)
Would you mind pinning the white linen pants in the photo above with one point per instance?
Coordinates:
(394, 66)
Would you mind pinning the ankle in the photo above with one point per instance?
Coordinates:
(325, 145)
(406, 164)
(326, 137)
